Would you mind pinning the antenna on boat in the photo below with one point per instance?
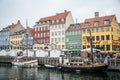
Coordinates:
(26, 39)
(91, 43)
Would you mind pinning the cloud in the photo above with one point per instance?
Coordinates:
(33, 10)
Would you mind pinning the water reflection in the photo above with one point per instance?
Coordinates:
(15, 73)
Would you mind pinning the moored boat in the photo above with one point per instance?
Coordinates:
(50, 66)
(82, 67)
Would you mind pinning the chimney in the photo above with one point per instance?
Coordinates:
(65, 10)
(18, 22)
(96, 14)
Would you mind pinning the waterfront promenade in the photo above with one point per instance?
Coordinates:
(114, 64)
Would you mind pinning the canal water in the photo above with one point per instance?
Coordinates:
(8, 72)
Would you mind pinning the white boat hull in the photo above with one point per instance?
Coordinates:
(49, 66)
(31, 63)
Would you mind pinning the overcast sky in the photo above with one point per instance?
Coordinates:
(13, 10)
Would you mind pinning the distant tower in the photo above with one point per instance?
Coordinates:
(96, 14)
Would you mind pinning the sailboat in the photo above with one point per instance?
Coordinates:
(23, 61)
(85, 65)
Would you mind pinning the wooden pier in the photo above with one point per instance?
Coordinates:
(114, 64)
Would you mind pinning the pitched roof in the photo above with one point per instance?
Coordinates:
(55, 17)
(74, 27)
(100, 20)
(31, 31)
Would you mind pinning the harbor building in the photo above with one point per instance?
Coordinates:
(16, 35)
(105, 32)
(74, 38)
(29, 32)
(5, 40)
(51, 30)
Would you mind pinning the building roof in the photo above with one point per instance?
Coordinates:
(74, 27)
(99, 19)
(31, 31)
(55, 17)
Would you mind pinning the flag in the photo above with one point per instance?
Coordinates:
(106, 61)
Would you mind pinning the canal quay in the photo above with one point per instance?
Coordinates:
(114, 64)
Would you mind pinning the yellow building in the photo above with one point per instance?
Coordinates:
(16, 39)
(105, 32)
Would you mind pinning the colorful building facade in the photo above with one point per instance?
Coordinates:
(16, 35)
(60, 23)
(51, 30)
(16, 39)
(4, 39)
(28, 35)
(105, 32)
(74, 38)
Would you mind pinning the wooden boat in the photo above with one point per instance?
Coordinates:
(20, 62)
(82, 67)
(85, 65)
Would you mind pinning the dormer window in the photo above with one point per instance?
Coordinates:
(96, 23)
(106, 22)
(47, 21)
(57, 20)
(62, 20)
(87, 24)
(77, 26)
(53, 21)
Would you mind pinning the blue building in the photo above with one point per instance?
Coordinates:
(28, 35)
(4, 39)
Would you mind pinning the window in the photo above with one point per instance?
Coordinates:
(77, 26)
(52, 33)
(63, 32)
(84, 31)
(35, 35)
(63, 26)
(102, 37)
(102, 29)
(103, 47)
(106, 22)
(84, 38)
(107, 28)
(96, 23)
(55, 33)
(52, 39)
(107, 47)
(92, 30)
(97, 29)
(53, 21)
(87, 24)
(107, 37)
(57, 20)
(62, 20)
(97, 38)
(62, 39)
(59, 33)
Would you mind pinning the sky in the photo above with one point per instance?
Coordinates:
(13, 10)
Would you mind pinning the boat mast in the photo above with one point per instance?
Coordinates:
(26, 40)
(91, 43)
